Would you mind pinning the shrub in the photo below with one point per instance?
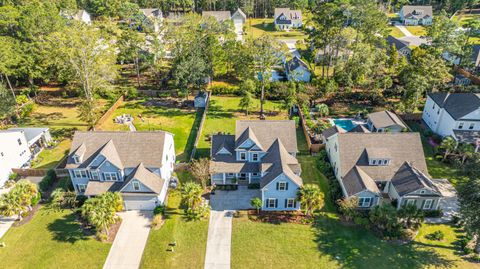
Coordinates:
(157, 222)
(225, 89)
(361, 221)
(159, 210)
(36, 199)
(81, 200)
(437, 236)
(47, 180)
(9, 183)
(13, 176)
(254, 186)
(433, 213)
(130, 93)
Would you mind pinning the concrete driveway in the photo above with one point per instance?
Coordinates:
(233, 200)
(219, 240)
(292, 46)
(403, 29)
(5, 224)
(127, 249)
(449, 203)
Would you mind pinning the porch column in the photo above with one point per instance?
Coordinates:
(249, 177)
(223, 178)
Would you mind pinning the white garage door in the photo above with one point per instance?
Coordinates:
(140, 203)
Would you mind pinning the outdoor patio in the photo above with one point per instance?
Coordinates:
(233, 200)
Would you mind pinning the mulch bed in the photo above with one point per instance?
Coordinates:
(112, 233)
(278, 217)
(28, 217)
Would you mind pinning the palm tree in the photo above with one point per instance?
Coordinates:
(412, 216)
(256, 203)
(26, 191)
(310, 197)
(192, 194)
(448, 144)
(465, 150)
(322, 110)
(11, 205)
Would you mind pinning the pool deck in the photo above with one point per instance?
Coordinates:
(355, 122)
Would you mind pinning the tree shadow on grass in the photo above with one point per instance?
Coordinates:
(356, 247)
(185, 155)
(67, 229)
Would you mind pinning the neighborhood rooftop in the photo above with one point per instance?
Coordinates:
(417, 12)
(457, 105)
(383, 119)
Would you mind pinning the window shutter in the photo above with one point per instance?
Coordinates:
(286, 200)
(423, 203)
(295, 203)
(266, 203)
(278, 184)
(276, 203)
(286, 186)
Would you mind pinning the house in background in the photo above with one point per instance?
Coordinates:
(37, 138)
(260, 152)
(14, 153)
(400, 45)
(454, 114)
(287, 19)
(139, 165)
(152, 18)
(80, 15)
(385, 121)
(416, 15)
(238, 18)
(381, 168)
(297, 70)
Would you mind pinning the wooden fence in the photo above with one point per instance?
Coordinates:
(312, 147)
(30, 172)
(109, 112)
(200, 128)
(411, 116)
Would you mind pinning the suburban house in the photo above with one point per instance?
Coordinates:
(262, 153)
(80, 15)
(400, 45)
(381, 168)
(454, 114)
(287, 19)
(297, 70)
(238, 18)
(152, 18)
(139, 165)
(416, 15)
(19, 146)
(385, 121)
(475, 58)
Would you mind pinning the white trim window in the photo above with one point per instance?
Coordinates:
(76, 159)
(290, 203)
(243, 156)
(255, 174)
(255, 157)
(411, 201)
(282, 186)
(472, 125)
(428, 204)
(94, 175)
(364, 201)
(80, 174)
(81, 188)
(136, 185)
(110, 176)
(271, 203)
(460, 125)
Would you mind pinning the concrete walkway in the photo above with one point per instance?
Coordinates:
(219, 240)
(449, 203)
(5, 224)
(127, 249)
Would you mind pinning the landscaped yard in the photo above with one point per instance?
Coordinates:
(183, 123)
(49, 158)
(190, 238)
(52, 239)
(395, 32)
(417, 30)
(257, 27)
(224, 111)
(464, 18)
(331, 244)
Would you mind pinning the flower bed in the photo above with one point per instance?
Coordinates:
(277, 217)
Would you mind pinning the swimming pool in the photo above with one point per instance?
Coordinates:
(347, 125)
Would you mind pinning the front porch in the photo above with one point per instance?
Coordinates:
(242, 179)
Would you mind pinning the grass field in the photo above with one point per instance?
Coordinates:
(52, 239)
(49, 158)
(257, 27)
(331, 244)
(395, 32)
(464, 18)
(183, 123)
(417, 30)
(224, 112)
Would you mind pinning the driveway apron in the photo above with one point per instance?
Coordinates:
(127, 249)
(219, 240)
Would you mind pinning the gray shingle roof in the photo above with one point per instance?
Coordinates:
(219, 15)
(147, 178)
(457, 104)
(417, 12)
(467, 136)
(31, 132)
(384, 119)
(267, 131)
(132, 147)
(409, 179)
(295, 63)
(399, 44)
(356, 180)
(289, 13)
(99, 187)
(280, 161)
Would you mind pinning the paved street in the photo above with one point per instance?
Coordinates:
(127, 249)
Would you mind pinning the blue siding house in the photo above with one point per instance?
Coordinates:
(263, 153)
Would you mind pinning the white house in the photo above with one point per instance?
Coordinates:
(238, 18)
(297, 70)
(287, 19)
(454, 114)
(139, 165)
(14, 152)
(81, 15)
(416, 15)
(152, 17)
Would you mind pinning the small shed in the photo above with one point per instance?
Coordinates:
(201, 99)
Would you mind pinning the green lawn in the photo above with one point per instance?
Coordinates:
(224, 112)
(257, 27)
(49, 158)
(183, 123)
(417, 30)
(330, 244)
(463, 19)
(190, 236)
(395, 32)
(52, 239)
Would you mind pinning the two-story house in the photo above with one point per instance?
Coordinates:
(287, 19)
(454, 114)
(261, 152)
(382, 168)
(416, 15)
(297, 70)
(139, 165)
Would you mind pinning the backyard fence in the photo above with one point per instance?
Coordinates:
(200, 128)
(30, 172)
(110, 111)
(313, 148)
(411, 116)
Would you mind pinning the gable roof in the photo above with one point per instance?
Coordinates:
(409, 179)
(248, 134)
(290, 14)
(329, 132)
(240, 13)
(132, 148)
(219, 15)
(110, 153)
(147, 178)
(402, 147)
(385, 119)
(152, 12)
(456, 104)
(267, 131)
(279, 161)
(399, 44)
(417, 12)
(295, 63)
(223, 141)
(356, 180)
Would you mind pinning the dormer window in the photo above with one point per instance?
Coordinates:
(76, 159)
(382, 162)
(255, 157)
(243, 156)
(136, 185)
